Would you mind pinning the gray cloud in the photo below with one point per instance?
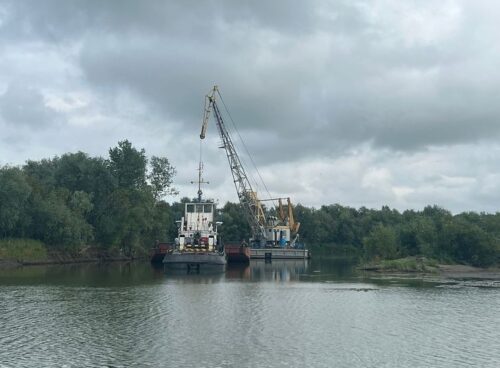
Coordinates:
(373, 81)
(304, 81)
(21, 105)
(344, 69)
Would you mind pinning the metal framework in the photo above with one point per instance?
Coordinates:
(251, 205)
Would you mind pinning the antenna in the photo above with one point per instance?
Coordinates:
(200, 177)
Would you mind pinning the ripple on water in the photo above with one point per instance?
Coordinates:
(217, 323)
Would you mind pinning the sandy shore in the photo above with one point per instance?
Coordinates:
(468, 272)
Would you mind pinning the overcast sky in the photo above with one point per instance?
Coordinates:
(357, 102)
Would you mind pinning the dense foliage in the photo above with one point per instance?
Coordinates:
(73, 201)
(76, 200)
(387, 234)
(371, 234)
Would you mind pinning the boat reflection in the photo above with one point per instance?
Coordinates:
(262, 270)
(198, 276)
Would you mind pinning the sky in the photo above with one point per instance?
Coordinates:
(356, 102)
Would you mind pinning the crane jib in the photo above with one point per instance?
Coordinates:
(252, 207)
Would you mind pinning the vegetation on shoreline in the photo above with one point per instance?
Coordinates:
(387, 234)
(22, 249)
(407, 264)
(75, 201)
(117, 204)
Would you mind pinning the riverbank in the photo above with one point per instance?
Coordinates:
(62, 258)
(469, 272)
(422, 265)
(407, 264)
(25, 252)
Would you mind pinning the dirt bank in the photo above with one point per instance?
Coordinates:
(62, 257)
(429, 267)
(468, 272)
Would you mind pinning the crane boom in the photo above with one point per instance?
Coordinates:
(249, 201)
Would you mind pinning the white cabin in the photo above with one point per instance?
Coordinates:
(197, 228)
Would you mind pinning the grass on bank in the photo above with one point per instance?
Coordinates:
(408, 264)
(22, 250)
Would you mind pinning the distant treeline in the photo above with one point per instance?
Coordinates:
(118, 202)
(470, 238)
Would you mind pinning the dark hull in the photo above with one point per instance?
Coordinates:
(157, 258)
(236, 253)
(158, 253)
(194, 261)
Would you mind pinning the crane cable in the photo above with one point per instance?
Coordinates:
(245, 147)
(254, 182)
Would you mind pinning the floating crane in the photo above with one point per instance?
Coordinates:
(270, 231)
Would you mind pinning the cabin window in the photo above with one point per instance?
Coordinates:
(190, 208)
(199, 208)
(207, 208)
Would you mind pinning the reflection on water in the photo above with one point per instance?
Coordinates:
(266, 270)
(278, 270)
(202, 276)
(281, 314)
(139, 273)
(113, 274)
(262, 270)
(294, 270)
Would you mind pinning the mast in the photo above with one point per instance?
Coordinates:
(200, 177)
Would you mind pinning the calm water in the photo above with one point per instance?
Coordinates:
(282, 314)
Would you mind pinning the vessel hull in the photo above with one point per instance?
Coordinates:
(188, 260)
(279, 253)
(237, 253)
(159, 251)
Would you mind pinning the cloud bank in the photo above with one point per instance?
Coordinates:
(354, 102)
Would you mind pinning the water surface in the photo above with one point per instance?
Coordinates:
(284, 314)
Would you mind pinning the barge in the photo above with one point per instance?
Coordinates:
(279, 253)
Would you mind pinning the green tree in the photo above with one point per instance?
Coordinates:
(80, 203)
(381, 242)
(14, 194)
(305, 216)
(128, 165)
(161, 177)
(160, 224)
(468, 243)
(56, 224)
(234, 228)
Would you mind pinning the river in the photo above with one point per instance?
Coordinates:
(283, 314)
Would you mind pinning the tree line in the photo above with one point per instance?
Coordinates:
(119, 202)
(76, 200)
(372, 234)
(469, 237)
